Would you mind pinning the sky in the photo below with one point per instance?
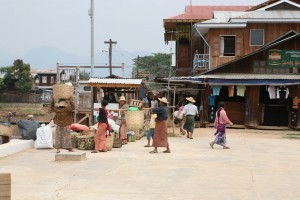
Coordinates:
(136, 25)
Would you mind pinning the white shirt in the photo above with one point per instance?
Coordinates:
(190, 109)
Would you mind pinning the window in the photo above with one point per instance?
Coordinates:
(256, 37)
(52, 79)
(44, 79)
(227, 47)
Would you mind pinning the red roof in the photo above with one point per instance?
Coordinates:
(206, 12)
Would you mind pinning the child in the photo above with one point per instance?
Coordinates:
(151, 130)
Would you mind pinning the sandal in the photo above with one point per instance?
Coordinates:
(153, 152)
(226, 148)
(147, 145)
(167, 151)
(94, 151)
(57, 151)
(103, 151)
(211, 145)
(191, 138)
(71, 150)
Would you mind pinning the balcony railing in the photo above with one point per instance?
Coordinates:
(201, 61)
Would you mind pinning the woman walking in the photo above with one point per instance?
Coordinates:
(220, 124)
(160, 138)
(189, 113)
(100, 136)
(63, 119)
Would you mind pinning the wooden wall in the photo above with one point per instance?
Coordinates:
(271, 32)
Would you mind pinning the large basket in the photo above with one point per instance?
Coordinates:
(63, 91)
(89, 132)
(6, 130)
(86, 142)
(134, 119)
(109, 142)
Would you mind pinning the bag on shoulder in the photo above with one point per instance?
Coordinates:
(176, 120)
(221, 128)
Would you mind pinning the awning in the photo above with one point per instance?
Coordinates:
(251, 79)
(252, 82)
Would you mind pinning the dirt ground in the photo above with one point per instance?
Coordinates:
(260, 165)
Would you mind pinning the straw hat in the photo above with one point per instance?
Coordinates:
(164, 100)
(190, 99)
(30, 117)
(122, 98)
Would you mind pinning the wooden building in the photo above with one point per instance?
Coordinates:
(188, 42)
(269, 93)
(43, 79)
(256, 52)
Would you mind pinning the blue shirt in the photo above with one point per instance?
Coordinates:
(162, 113)
(211, 100)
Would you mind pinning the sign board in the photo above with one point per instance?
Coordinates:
(283, 58)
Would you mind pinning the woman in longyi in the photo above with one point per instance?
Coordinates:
(63, 119)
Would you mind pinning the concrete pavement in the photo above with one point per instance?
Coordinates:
(258, 166)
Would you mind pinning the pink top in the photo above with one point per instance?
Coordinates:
(180, 110)
(223, 118)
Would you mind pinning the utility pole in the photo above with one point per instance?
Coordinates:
(110, 42)
(91, 14)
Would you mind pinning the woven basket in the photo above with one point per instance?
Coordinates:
(63, 91)
(109, 142)
(86, 142)
(134, 119)
(6, 130)
(89, 132)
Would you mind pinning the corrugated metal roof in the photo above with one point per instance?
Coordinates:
(43, 71)
(206, 12)
(115, 81)
(240, 76)
(279, 14)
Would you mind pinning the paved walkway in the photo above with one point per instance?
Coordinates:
(258, 166)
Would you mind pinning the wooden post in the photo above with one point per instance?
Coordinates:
(5, 186)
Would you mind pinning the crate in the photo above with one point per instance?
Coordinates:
(117, 143)
(5, 186)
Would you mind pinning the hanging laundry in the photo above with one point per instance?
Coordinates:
(216, 90)
(272, 92)
(211, 100)
(231, 91)
(282, 93)
(240, 90)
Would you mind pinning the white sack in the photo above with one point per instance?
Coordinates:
(43, 137)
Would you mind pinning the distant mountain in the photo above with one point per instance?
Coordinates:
(47, 58)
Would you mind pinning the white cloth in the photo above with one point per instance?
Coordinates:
(240, 90)
(154, 103)
(272, 92)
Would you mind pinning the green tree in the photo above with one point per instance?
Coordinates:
(157, 64)
(1, 83)
(83, 75)
(17, 75)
